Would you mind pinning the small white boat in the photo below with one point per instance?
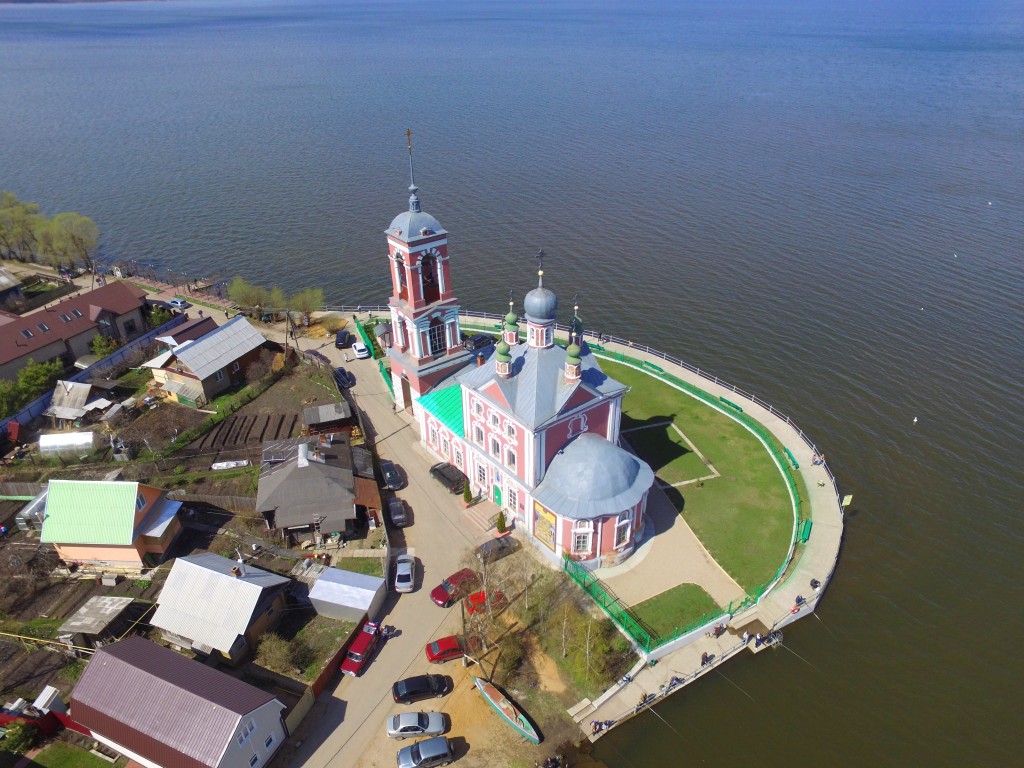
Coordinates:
(230, 464)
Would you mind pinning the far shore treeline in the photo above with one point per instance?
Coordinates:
(30, 236)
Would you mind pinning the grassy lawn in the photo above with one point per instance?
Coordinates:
(60, 755)
(676, 608)
(670, 457)
(743, 518)
(318, 636)
(371, 566)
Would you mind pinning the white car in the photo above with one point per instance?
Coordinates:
(416, 724)
(360, 349)
(178, 304)
(405, 573)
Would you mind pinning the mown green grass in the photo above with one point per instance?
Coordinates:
(672, 460)
(743, 518)
(60, 755)
(370, 566)
(676, 608)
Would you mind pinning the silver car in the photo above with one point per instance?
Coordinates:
(405, 573)
(426, 754)
(416, 724)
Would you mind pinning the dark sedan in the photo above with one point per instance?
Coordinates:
(419, 687)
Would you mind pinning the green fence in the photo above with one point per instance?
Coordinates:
(611, 605)
(385, 373)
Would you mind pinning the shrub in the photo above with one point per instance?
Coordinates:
(500, 523)
(333, 322)
(467, 495)
(21, 737)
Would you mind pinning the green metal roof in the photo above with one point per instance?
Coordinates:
(445, 405)
(90, 512)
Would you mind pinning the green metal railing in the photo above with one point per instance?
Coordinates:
(610, 604)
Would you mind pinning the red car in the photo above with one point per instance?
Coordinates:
(445, 649)
(362, 648)
(454, 587)
(478, 601)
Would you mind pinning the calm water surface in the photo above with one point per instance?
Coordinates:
(774, 193)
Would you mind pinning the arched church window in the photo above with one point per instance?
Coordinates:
(403, 288)
(436, 337)
(431, 286)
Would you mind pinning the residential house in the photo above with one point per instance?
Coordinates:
(307, 484)
(71, 401)
(195, 372)
(218, 606)
(109, 524)
(163, 710)
(190, 330)
(65, 330)
(10, 286)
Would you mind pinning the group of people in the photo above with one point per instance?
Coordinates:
(552, 762)
(818, 460)
(596, 726)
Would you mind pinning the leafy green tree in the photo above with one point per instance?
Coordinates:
(245, 294)
(274, 653)
(36, 378)
(277, 300)
(76, 237)
(10, 397)
(307, 300)
(18, 223)
(21, 737)
(158, 316)
(103, 345)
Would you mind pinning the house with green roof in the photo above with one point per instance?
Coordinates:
(109, 524)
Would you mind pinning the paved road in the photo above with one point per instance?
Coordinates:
(345, 724)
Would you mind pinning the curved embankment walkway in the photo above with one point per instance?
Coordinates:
(680, 661)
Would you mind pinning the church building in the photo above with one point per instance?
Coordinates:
(532, 424)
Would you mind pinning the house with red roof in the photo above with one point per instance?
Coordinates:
(65, 330)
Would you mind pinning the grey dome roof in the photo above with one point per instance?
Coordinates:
(412, 223)
(592, 477)
(541, 305)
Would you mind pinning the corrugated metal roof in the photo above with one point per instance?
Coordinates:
(298, 495)
(202, 601)
(445, 405)
(162, 706)
(537, 389)
(90, 512)
(348, 588)
(322, 414)
(96, 615)
(208, 354)
(71, 394)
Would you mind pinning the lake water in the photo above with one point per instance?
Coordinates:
(821, 202)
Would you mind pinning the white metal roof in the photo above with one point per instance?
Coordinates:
(348, 588)
(208, 354)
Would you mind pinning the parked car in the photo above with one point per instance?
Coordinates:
(389, 472)
(449, 648)
(179, 304)
(405, 573)
(478, 341)
(448, 476)
(396, 511)
(495, 549)
(360, 349)
(342, 339)
(406, 724)
(477, 602)
(455, 587)
(362, 648)
(426, 753)
(418, 687)
(343, 377)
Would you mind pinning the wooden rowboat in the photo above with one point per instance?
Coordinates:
(508, 711)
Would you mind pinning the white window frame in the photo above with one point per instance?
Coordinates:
(433, 434)
(512, 499)
(478, 435)
(510, 458)
(510, 430)
(236, 366)
(458, 457)
(478, 408)
(496, 448)
(218, 376)
(445, 448)
(495, 420)
(584, 529)
(624, 523)
(481, 474)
